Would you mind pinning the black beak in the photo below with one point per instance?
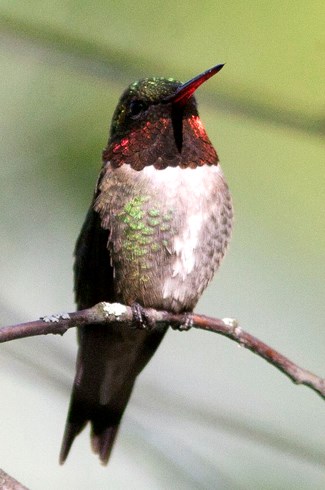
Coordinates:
(185, 91)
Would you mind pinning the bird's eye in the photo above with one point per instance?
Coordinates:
(137, 107)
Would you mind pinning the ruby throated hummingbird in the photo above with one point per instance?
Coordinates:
(156, 232)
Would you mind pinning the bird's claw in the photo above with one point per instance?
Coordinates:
(140, 318)
(186, 325)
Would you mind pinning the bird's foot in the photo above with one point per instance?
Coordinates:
(140, 318)
(186, 325)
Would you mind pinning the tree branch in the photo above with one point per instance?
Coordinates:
(107, 313)
(7, 482)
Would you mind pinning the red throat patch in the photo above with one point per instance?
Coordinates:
(153, 143)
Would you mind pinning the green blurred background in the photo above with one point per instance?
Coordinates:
(205, 414)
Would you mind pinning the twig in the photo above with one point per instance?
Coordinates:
(7, 482)
(107, 313)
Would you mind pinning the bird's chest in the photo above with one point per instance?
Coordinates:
(163, 225)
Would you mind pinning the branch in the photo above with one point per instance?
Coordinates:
(7, 482)
(107, 313)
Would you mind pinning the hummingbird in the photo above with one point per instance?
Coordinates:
(157, 229)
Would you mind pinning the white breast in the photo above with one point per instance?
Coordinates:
(191, 189)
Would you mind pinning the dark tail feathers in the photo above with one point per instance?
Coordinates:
(104, 427)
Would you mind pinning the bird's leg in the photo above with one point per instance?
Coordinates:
(140, 318)
(188, 323)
